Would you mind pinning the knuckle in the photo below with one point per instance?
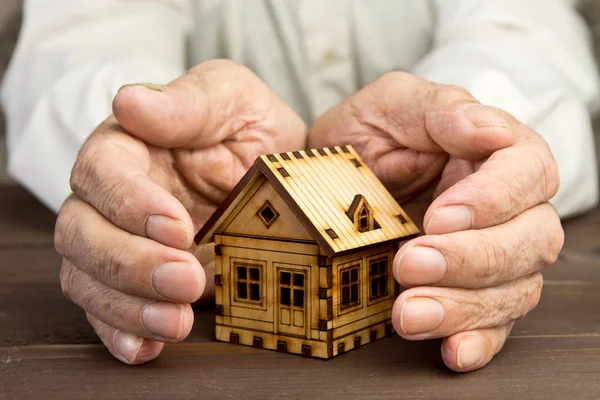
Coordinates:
(90, 179)
(449, 95)
(116, 261)
(119, 204)
(548, 168)
(204, 72)
(66, 278)
(113, 202)
(556, 238)
(218, 63)
(66, 229)
(533, 291)
(394, 79)
(494, 262)
(110, 197)
(83, 170)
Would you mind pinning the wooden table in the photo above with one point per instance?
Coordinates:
(47, 349)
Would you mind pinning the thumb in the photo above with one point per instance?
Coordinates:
(210, 103)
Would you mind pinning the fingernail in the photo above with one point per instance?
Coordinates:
(167, 231)
(484, 117)
(450, 219)
(177, 281)
(152, 86)
(421, 315)
(127, 345)
(471, 350)
(163, 319)
(421, 265)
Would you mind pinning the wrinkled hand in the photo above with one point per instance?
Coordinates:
(489, 230)
(145, 181)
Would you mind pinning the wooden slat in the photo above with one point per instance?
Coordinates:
(552, 368)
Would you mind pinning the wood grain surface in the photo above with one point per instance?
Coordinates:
(48, 351)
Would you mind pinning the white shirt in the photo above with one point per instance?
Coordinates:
(529, 57)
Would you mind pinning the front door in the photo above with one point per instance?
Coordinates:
(292, 299)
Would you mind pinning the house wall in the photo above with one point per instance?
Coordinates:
(269, 255)
(367, 312)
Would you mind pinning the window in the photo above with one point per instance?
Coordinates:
(267, 214)
(363, 220)
(378, 274)
(349, 287)
(291, 286)
(248, 282)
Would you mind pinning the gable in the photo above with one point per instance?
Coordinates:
(246, 219)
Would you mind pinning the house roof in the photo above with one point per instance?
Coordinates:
(320, 186)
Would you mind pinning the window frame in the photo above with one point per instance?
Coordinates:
(378, 258)
(348, 267)
(293, 287)
(378, 276)
(235, 280)
(367, 215)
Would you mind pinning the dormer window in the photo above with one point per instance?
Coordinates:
(363, 220)
(361, 214)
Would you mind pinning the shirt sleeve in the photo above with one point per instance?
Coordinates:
(71, 59)
(533, 59)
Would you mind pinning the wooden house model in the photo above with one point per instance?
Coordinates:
(303, 254)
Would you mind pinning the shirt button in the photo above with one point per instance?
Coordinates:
(329, 55)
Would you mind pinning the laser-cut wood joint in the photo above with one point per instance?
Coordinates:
(218, 309)
(373, 336)
(307, 350)
(281, 346)
(303, 254)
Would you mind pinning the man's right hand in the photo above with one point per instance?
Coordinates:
(144, 182)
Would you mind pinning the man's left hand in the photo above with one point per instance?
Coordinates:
(489, 229)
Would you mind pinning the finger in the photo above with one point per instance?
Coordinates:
(427, 312)
(482, 258)
(124, 346)
(212, 102)
(509, 182)
(158, 320)
(112, 174)
(401, 111)
(471, 350)
(125, 262)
